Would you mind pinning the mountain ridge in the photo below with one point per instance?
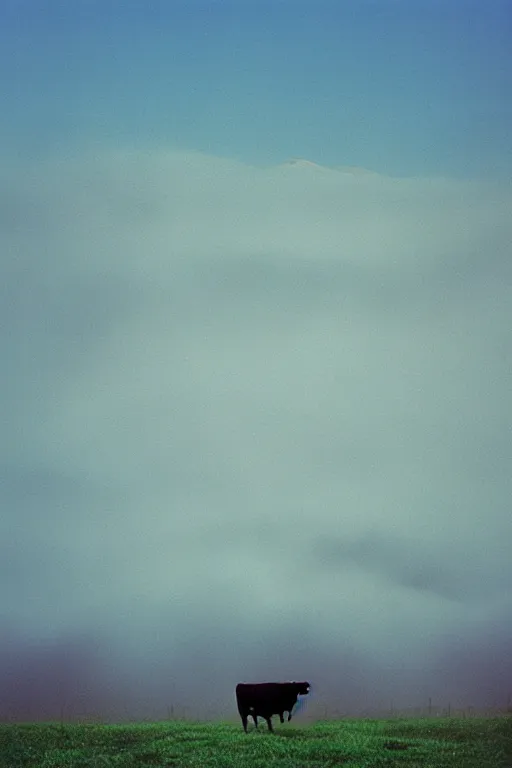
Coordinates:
(305, 164)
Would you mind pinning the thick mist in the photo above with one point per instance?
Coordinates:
(256, 426)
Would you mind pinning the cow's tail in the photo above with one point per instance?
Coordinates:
(243, 712)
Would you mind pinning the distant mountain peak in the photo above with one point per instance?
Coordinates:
(300, 162)
(303, 163)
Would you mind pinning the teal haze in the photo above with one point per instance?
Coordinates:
(255, 312)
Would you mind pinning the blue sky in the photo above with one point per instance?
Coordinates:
(404, 88)
(255, 414)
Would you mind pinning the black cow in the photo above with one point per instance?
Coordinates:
(267, 699)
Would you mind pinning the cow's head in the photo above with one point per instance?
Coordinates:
(302, 688)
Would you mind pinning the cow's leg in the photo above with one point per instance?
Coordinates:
(281, 717)
(289, 716)
(255, 718)
(269, 723)
(244, 721)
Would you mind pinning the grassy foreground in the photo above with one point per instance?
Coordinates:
(429, 743)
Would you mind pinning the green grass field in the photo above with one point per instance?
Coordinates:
(410, 743)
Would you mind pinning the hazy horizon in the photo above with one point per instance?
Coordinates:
(255, 413)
